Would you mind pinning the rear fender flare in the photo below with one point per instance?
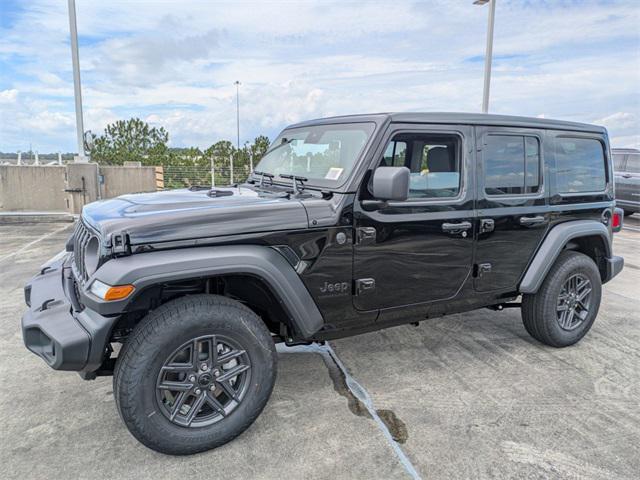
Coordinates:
(553, 244)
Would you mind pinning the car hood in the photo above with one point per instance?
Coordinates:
(185, 214)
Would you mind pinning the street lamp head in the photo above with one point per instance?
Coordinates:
(481, 2)
(237, 82)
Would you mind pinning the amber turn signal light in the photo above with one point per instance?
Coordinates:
(109, 293)
(118, 292)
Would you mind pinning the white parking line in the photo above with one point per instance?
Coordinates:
(631, 228)
(30, 244)
(360, 393)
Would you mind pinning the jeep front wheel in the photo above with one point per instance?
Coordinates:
(194, 374)
(566, 305)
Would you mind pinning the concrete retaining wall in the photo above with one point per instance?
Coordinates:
(29, 188)
(82, 185)
(121, 180)
(42, 188)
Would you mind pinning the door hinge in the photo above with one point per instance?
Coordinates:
(366, 235)
(487, 225)
(482, 269)
(365, 285)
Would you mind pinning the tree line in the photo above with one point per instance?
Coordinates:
(134, 140)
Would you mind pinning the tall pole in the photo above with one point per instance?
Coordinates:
(73, 29)
(213, 172)
(237, 84)
(488, 56)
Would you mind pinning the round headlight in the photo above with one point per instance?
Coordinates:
(92, 256)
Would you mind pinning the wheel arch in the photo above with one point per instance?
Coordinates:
(589, 237)
(278, 287)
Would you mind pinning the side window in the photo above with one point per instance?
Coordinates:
(618, 162)
(580, 165)
(511, 165)
(394, 155)
(434, 161)
(633, 163)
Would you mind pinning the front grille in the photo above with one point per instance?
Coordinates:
(81, 237)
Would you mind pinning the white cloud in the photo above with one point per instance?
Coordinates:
(619, 120)
(174, 63)
(9, 95)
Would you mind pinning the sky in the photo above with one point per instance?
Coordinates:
(174, 64)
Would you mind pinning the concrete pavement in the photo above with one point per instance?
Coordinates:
(465, 396)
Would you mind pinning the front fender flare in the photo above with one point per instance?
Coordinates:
(146, 269)
(553, 244)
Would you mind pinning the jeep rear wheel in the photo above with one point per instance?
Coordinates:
(565, 307)
(194, 374)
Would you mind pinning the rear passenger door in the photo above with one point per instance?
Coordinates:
(628, 183)
(512, 204)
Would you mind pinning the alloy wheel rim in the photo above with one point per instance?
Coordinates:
(203, 381)
(574, 302)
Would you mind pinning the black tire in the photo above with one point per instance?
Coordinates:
(154, 342)
(540, 311)
(628, 212)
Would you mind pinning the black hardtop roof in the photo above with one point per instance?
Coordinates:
(459, 118)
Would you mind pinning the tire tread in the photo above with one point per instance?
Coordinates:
(534, 307)
(131, 363)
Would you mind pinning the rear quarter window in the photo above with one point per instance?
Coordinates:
(633, 163)
(618, 162)
(580, 165)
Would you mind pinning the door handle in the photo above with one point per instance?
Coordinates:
(626, 175)
(456, 227)
(529, 221)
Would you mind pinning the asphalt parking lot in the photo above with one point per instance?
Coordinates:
(465, 396)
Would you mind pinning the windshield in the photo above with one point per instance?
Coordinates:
(323, 154)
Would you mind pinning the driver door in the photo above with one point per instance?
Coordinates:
(419, 250)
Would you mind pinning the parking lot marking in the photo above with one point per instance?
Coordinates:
(361, 394)
(30, 244)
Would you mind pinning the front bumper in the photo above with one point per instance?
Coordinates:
(57, 328)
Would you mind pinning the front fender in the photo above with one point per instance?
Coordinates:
(146, 269)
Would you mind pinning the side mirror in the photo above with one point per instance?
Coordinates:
(391, 183)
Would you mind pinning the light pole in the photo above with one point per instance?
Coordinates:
(488, 52)
(75, 59)
(237, 84)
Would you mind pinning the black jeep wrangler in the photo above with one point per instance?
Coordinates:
(347, 225)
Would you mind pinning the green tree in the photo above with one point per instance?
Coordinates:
(259, 147)
(135, 140)
(186, 167)
(218, 155)
(131, 141)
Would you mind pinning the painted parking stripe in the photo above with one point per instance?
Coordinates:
(360, 393)
(30, 244)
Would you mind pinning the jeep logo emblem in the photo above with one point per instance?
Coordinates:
(335, 288)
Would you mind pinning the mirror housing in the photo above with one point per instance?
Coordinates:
(391, 183)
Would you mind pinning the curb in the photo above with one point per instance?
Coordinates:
(36, 217)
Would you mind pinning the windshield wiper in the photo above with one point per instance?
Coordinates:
(295, 179)
(264, 174)
(285, 141)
